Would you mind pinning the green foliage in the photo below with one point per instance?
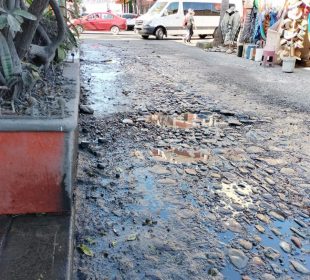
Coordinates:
(70, 43)
(13, 19)
(72, 35)
(30, 76)
(24, 14)
(16, 74)
(61, 53)
(5, 58)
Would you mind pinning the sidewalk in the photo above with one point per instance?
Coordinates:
(39, 246)
(36, 247)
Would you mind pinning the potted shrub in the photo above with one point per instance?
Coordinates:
(38, 110)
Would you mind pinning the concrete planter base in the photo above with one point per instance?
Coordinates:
(38, 159)
(288, 65)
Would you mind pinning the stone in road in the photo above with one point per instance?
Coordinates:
(158, 201)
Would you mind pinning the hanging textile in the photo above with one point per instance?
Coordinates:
(246, 35)
(309, 25)
(267, 16)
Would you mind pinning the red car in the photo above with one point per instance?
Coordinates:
(100, 22)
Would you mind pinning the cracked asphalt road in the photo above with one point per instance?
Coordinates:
(194, 165)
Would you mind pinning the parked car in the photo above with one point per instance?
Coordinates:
(103, 21)
(130, 20)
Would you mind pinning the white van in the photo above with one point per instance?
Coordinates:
(165, 17)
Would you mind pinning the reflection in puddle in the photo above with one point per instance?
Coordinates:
(179, 155)
(101, 75)
(152, 202)
(270, 239)
(108, 76)
(185, 121)
(238, 193)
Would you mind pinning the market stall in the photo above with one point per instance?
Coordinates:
(279, 26)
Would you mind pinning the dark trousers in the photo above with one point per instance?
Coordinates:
(190, 32)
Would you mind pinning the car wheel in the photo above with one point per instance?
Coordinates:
(202, 36)
(159, 33)
(80, 29)
(145, 36)
(115, 30)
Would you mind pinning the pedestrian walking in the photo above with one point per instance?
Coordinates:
(189, 24)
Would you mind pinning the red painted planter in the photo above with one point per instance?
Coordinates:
(38, 159)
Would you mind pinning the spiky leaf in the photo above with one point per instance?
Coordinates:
(5, 58)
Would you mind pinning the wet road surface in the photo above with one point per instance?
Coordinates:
(188, 169)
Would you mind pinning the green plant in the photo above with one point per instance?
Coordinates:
(13, 19)
(21, 23)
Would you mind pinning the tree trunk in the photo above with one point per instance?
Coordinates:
(23, 40)
(218, 37)
(76, 9)
(45, 54)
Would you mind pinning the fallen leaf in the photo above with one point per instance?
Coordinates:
(86, 250)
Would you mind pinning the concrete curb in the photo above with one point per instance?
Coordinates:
(36, 247)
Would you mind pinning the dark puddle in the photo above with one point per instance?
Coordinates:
(152, 204)
(269, 239)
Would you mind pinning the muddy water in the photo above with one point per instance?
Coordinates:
(102, 76)
(166, 196)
